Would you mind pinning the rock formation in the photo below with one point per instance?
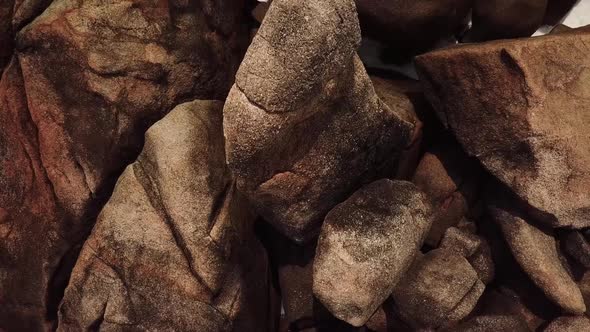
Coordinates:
(173, 249)
(303, 125)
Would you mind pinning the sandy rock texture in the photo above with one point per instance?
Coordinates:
(303, 125)
(86, 80)
(173, 249)
(366, 245)
(531, 133)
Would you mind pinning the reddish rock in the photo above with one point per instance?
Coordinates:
(303, 125)
(173, 249)
(94, 76)
(520, 132)
(450, 179)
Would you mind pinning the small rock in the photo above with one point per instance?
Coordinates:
(366, 245)
(449, 179)
(536, 252)
(569, 324)
(501, 19)
(439, 287)
(460, 242)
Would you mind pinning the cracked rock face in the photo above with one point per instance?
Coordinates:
(531, 133)
(440, 287)
(535, 250)
(499, 19)
(366, 245)
(398, 22)
(173, 249)
(303, 125)
(86, 80)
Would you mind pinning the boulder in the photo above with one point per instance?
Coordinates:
(89, 77)
(569, 324)
(173, 249)
(532, 133)
(439, 288)
(535, 250)
(501, 19)
(460, 242)
(366, 245)
(409, 26)
(303, 125)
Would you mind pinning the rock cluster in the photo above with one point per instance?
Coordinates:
(230, 166)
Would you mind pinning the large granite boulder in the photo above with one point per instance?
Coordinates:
(303, 125)
(87, 80)
(173, 249)
(520, 107)
(366, 245)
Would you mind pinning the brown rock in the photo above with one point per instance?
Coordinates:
(499, 19)
(460, 242)
(440, 287)
(576, 245)
(366, 245)
(397, 95)
(519, 132)
(96, 75)
(303, 125)
(173, 248)
(483, 262)
(493, 324)
(449, 178)
(411, 26)
(569, 324)
(536, 252)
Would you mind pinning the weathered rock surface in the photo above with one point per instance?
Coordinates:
(366, 245)
(173, 249)
(87, 79)
(411, 26)
(569, 324)
(450, 179)
(303, 125)
(522, 132)
(440, 287)
(460, 242)
(499, 19)
(493, 324)
(535, 250)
